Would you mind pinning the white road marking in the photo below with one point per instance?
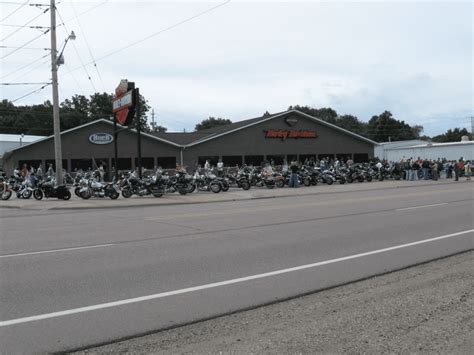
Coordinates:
(218, 284)
(414, 207)
(54, 250)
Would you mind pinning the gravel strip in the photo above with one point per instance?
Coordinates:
(424, 309)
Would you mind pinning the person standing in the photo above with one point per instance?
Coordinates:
(294, 174)
(467, 170)
(457, 169)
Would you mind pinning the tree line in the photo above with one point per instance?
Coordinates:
(79, 109)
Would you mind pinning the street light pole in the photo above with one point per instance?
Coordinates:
(56, 121)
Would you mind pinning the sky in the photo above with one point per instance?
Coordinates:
(238, 59)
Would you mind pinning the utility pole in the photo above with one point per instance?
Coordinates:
(56, 123)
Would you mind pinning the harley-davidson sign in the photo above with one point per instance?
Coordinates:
(284, 134)
(101, 138)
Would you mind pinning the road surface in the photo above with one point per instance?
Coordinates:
(72, 279)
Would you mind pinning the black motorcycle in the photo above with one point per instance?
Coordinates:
(48, 190)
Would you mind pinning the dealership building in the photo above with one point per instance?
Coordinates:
(287, 135)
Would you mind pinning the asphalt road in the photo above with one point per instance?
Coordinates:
(72, 279)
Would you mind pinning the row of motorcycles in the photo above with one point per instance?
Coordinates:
(29, 186)
(157, 183)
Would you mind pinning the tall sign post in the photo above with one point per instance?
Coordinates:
(125, 107)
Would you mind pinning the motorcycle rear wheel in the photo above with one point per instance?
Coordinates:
(27, 194)
(306, 182)
(67, 195)
(114, 195)
(77, 191)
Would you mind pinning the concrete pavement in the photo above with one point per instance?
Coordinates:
(233, 194)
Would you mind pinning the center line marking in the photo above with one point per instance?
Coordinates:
(414, 207)
(55, 250)
(218, 284)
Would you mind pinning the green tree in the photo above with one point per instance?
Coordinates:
(384, 127)
(212, 122)
(452, 135)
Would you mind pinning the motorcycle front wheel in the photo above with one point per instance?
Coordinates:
(6, 195)
(126, 193)
(38, 195)
(215, 187)
(27, 194)
(114, 195)
(245, 185)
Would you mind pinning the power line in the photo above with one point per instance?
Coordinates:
(25, 25)
(86, 11)
(32, 69)
(25, 66)
(31, 92)
(77, 52)
(88, 47)
(11, 84)
(159, 32)
(27, 43)
(33, 48)
(14, 11)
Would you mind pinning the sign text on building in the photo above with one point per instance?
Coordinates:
(101, 138)
(284, 134)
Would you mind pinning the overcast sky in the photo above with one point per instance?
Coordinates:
(243, 58)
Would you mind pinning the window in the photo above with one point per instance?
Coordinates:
(291, 157)
(254, 160)
(212, 160)
(308, 157)
(232, 160)
(52, 161)
(276, 159)
(166, 162)
(123, 163)
(361, 158)
(343, 157)
(147, 163)
(326, 156)
(80, 164)
(30, 163)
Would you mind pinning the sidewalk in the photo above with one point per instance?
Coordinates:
(233, 194)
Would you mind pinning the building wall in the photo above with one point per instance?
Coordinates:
(76, 145)
(450, 152)
(252, 141)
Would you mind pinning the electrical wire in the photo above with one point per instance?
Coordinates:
(25, 66)
(32, 69)
(158, 32)
(88, 47)
(31, 92)
(77, 52)
(86, 11)
(32, 48)
(11, 84)
(27, 43)
(25, 25)
(16, 10)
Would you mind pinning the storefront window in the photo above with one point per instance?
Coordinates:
(52, 161)
(361, 158)
(232, 160)
(30, 163)
(343, 157)
(307, 158)
(254, 160)
(276, 159)
(326, 156)
(212, 160)
(291, 157)
(147, 163)
(81, 164)
(123, 163)
(166, 162)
